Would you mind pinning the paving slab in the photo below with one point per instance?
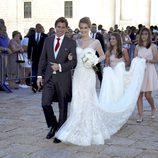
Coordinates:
(23, 130)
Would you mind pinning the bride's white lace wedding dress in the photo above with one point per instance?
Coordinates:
(91, 121)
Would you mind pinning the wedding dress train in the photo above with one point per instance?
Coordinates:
(119, 92)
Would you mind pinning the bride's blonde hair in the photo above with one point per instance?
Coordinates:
(85, 20)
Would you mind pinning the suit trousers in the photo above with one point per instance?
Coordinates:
(51, 89)
(99, 72)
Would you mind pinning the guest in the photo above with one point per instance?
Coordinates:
(4, 40)
(35, 47)
(15, 47)
(116, 53)
(26, 65)
(145, 49)
(51, 31)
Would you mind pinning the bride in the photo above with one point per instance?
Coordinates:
(91, 122)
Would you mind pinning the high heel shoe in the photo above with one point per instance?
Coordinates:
(153, 113)
(140, 119)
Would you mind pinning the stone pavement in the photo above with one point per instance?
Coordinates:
(23, 130)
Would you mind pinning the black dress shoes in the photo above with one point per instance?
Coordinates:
(34, 89)
(56, 140)
(51, 133)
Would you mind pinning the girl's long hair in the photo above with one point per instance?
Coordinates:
(140, 41)
(119, 53)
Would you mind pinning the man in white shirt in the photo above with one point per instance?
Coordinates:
(35, 47)
(54, 74)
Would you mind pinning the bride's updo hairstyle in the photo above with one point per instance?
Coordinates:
(85, 20)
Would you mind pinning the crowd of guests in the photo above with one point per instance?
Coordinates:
(30, 47)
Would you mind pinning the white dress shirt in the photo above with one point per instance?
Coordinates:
(55, 42)
(56, 52)
(92, 35)
(36, 36)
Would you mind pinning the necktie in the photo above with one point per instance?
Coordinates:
(93, 35)
(38, 38)
(57, 44)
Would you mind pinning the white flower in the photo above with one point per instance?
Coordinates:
(89, 58)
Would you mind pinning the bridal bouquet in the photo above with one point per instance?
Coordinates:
(90, 59)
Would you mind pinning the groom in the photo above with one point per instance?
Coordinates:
(54, 75)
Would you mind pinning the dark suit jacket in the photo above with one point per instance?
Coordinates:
(64, 78)
(99, 36)
(35, 49)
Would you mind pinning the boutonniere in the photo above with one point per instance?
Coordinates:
(66, 50)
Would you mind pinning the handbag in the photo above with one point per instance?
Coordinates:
(20, 58)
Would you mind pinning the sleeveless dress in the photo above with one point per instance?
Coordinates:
(150, 82)
(89, 121)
